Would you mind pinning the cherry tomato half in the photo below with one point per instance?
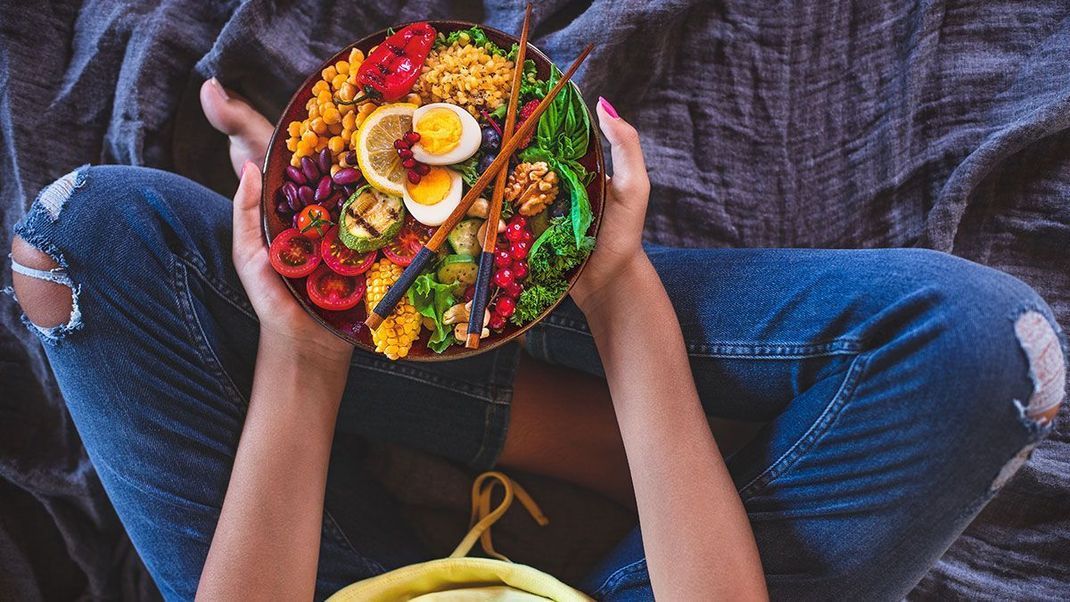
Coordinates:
(407, 244)
(293, 255)
(342, 259)
(334, 292)
(313, 221)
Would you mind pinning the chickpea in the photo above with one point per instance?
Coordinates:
(329, 73)
(342, 67)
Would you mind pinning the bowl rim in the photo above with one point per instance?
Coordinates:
(266, 196)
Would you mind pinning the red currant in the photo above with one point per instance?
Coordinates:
(469, 293)
(412, 138)
(505, 307)
(514, 232)
(519, 221)
(514, 290)
(519, 250)
(520, 269)
(502, 258)
(504, 277)
(527, 236)
(497, 322)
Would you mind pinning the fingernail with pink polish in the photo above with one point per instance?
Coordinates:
(219, 88)
(244, 168)
(608, 108)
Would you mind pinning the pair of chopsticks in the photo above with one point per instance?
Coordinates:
(494, 213)
(393, 295)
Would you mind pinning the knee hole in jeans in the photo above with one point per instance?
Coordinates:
(42, 288)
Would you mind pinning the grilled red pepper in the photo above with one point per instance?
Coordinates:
(391, 70)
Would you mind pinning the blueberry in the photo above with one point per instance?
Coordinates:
(492, 140)
(485, 161)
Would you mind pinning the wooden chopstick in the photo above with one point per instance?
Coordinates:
(394, 293)
(494, 212)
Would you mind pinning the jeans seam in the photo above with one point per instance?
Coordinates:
(619, 575)
(743, 349)
(496, 416)
(480, 392)
(339, 535)
(806, 442)
(197, 336)
(221, 289)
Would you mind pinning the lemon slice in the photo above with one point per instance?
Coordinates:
(376, 155)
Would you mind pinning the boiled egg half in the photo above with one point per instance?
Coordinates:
(434, 197)
(448, 134)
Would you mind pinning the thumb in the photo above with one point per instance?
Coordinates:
(247, 209)
(629, 169)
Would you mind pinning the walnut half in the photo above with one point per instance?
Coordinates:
(532, 187)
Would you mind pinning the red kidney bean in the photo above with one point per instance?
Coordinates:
(348, 190)
(310, 169)
(346, 175)
(295, 175)
(283, 209)
(351, 158)
(289, 190)
(305, 195)
(324, 161)
(323, 189)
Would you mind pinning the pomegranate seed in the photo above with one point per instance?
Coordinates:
(414, 177)
(400, 144)
(412, 138)
(405, 153)
(504, 277)
(422, 169)
(409, 163)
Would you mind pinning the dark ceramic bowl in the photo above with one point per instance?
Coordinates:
(349, 324)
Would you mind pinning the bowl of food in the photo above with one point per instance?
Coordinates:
(377, 148)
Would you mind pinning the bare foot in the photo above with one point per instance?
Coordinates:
(249, 131)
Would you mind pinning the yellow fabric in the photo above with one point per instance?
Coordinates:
(470, 579)
(495, 593)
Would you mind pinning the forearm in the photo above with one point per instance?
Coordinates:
(696, 534)
(266, 544)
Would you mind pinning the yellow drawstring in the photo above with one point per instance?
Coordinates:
(483, 517)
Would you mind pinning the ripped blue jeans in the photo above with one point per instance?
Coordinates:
(899, 390)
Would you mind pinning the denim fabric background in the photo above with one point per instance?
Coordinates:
(827, 124)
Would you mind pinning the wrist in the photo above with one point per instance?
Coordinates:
(330, 356)
(627, 286)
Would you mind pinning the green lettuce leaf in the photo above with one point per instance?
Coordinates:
(432, 299)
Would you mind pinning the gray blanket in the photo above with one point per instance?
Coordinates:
(819, 124)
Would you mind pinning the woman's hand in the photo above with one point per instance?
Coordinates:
(282, 320)
(619, 248)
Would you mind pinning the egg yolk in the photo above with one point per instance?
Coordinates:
(432, 188)
(439, 129)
